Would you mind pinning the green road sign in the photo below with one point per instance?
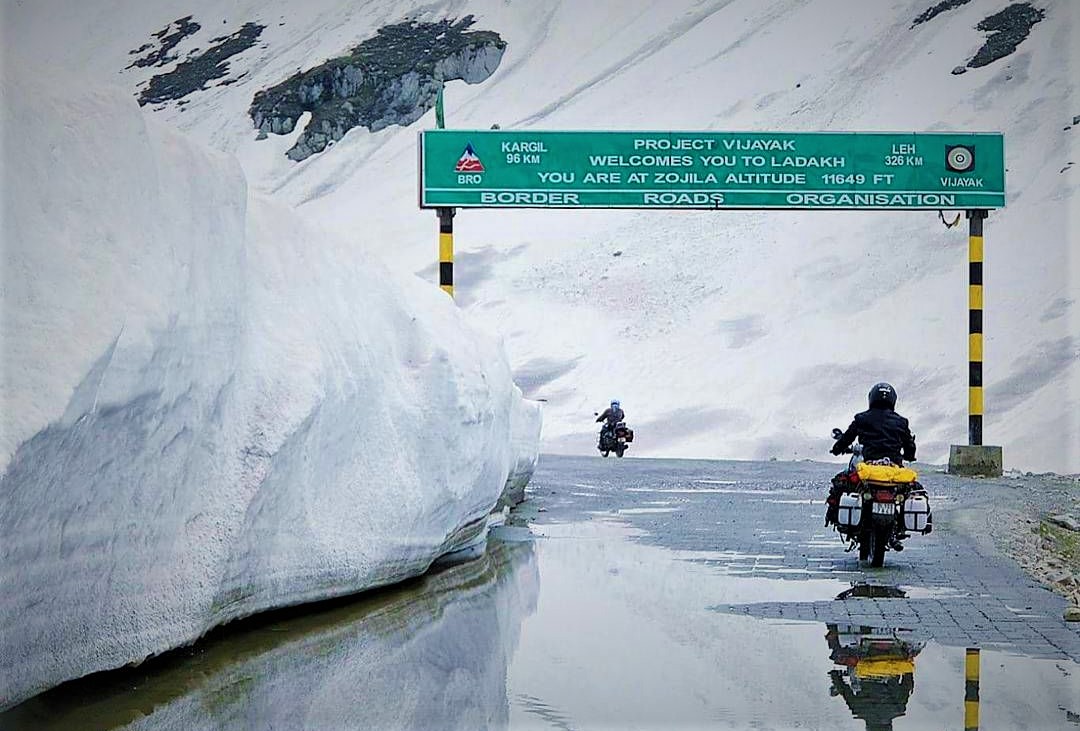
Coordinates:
(713, 170)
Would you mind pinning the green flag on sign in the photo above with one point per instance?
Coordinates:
(440, 120)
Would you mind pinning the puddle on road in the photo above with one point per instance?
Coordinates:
(646, 511)
(584, 551)
(582, 628)
(623, 637)
(707, 490)
(430, 654)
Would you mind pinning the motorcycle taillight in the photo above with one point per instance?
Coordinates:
(884, 496)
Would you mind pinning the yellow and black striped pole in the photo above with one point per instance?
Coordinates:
(446, 250)
(971, 690)
(975, 326)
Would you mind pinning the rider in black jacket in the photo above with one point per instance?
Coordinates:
(882, 432)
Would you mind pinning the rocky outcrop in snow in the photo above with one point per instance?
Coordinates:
(936, 10)
(196, 71)
(1007, 30)
(391, 79)
(168, 38)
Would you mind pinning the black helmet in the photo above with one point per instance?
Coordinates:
(882, 396)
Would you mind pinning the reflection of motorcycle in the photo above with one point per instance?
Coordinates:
(615, 439)
(875, 506)
(878, 675)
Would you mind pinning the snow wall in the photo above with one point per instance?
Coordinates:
(210, 408)
(526, 422)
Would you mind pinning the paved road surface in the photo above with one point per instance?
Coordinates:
(641, 594)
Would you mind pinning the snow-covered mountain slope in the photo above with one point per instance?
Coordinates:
(210, 406)
(727, 334)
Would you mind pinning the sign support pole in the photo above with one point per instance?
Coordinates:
(446, 220)
(975, 459)
(975, 327)
(446, 250)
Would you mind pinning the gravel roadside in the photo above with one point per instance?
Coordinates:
(1035, 520)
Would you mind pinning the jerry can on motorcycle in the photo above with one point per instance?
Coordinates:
(850, 510)
(916, 513)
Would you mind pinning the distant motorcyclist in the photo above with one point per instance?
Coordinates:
(612, 415)
(882, 432)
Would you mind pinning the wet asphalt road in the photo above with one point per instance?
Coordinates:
(641, 594)
(766, 520)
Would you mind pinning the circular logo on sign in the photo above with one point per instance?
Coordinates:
(959, 158)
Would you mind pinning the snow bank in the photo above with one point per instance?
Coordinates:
(210, 407)
(525, 424)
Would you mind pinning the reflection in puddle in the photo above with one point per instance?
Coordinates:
(430, 654)
(870, 590)
(878, 673)
(624, 636)
(864, 590)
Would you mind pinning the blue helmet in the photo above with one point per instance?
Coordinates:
(615, 403)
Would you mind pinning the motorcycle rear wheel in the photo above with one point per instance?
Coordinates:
(619, 451)
(865, 544)
(880, 541)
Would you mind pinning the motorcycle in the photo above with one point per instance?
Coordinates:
(615, 440)
(875, 506)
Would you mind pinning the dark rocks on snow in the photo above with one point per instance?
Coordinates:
(194, 73)
(169, 39)
(1007, 29)
(392, 78)
(938, 10)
